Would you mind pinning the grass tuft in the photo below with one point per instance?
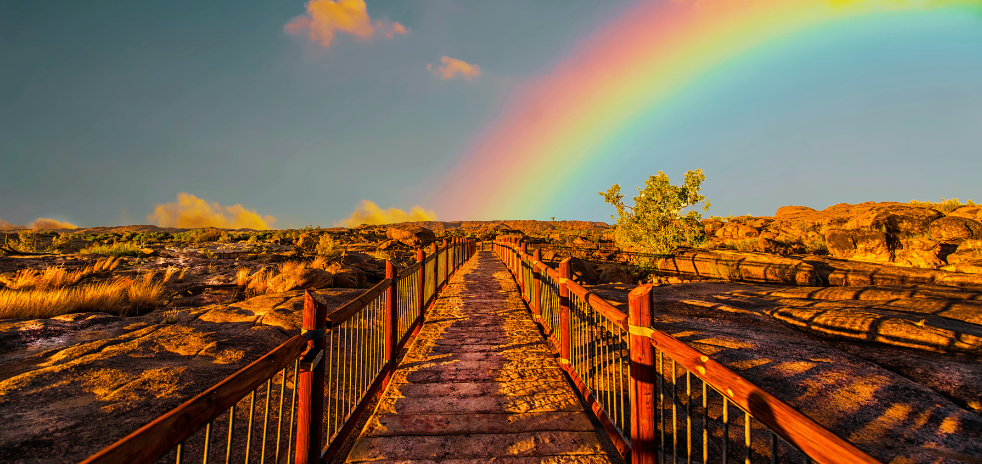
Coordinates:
(119, 296)
(116, 250)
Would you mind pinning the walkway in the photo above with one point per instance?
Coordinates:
(479, 385)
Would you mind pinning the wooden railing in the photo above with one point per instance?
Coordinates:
(657, 398)
(301, 401)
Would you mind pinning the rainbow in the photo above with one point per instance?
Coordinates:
(551, 130)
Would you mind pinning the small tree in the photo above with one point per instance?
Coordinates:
(656, 223)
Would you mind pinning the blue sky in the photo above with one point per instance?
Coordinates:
(110, 108)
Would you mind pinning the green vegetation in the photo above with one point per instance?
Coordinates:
(656, 223)
(116, 249)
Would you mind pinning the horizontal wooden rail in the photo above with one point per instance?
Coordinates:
(798, 429)
(153, 440)
(342, 314)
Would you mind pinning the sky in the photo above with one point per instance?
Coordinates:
(287, 114)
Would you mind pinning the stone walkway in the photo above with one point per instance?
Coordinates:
(479, 385)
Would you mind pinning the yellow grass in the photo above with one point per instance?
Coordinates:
(116, 296)
(56, 277)
(242, 277)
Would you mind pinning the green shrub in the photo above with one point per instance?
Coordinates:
(945, 206)
(115, 249)
(329, 248)
(656, 223)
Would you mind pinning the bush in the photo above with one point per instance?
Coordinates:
(198, 235)
(946, 206)
(116, 250)
(656, 223)
(329, 248)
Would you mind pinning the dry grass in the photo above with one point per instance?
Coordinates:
(259, 281)
(746, 245)
(945, 206)
(115, 249)
(116, 296)
(242, 277)
(56, 277)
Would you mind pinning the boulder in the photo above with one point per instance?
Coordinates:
(347, 276)
(736, 231)
(300, 279)
(738, 266)
(582, 242)
(793, 211)
(968, 250)
(894, 218)
(968, 212)
(582, 272)
(614, 274)
(918, 252)
(354, 258)
(952, 228)
(860, 245)
(389, 245)
(710, 226)
(413, 236)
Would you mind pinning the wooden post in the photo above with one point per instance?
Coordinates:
(391, 312)
(564, 317)
(310, 410)
(421, 280)
(446, 262)
(642, 384)
(536, 283)
(436, 266)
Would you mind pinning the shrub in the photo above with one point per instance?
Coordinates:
(328, 248)
(117, 250)
(945, 206)
(656, 223)
(198, 235)
(746, 245)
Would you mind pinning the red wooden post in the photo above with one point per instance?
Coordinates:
(310, 410)
(421, 280)
(446, 262)
(564, 317)
(536, 283)
(436, 266)
(643, 445)
(391, 312)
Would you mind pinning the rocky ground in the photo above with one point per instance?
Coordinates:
(867, 317)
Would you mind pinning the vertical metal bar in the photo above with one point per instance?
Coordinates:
(279, 417)
(204, 459)
(661, 402)
(180, 453)
(262, 449)
(773, 448)
(688, 416)
(675, 434)
(705, 423)
(746, 437)
(231, 428)
(726, 428)
(252, 417)
(293, 409)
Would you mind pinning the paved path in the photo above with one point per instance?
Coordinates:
(479, 385)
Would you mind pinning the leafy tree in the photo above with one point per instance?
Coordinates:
(656, 223)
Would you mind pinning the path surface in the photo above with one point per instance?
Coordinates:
(479, 385)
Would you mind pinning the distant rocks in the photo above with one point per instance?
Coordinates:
(413, 236)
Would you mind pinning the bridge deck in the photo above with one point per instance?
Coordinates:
(478, 385)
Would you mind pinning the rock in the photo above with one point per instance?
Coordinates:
(614, 274)
(354, 258)
(968, 250)
(413, 236)
(769, 245)
(389, 245)
(786, 211)
(582, 272)
(968, 266)
(737, 266)
(859, 245)
(348, 276)
(149, 252)
(710, 226)
(968, 212)
(299, 279)
(918, 252)
(582, 242)
(736, 231)
(894, 218)
(952, 228)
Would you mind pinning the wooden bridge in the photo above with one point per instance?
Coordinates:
(478, 356)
